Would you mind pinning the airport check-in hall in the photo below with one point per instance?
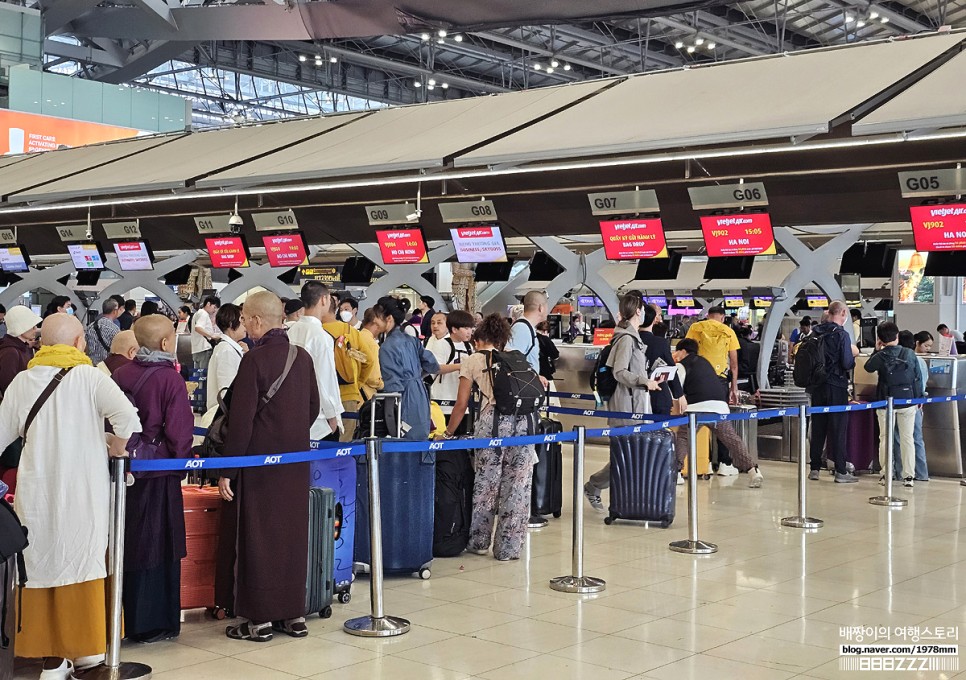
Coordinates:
(352, 340)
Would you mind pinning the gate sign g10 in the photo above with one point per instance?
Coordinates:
(939, 227)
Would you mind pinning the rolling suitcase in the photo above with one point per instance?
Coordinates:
(547, 489)
(407, 482)
(320, 586)
(643, 477)
(202, 516)
(339, 474)
(453, 507)
(702, 455)
(862, 444)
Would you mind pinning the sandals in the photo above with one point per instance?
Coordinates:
(295, 628)
(253, 632)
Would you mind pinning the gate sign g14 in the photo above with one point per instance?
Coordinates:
(739, 235)
(633, 239)
(939, 227)
(285, 250)
(402, 246)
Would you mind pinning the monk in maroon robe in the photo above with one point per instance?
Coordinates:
(268, 516)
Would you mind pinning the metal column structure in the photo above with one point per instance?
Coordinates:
(813, 266)
(403, 274)
(578, 270)
(149, 280)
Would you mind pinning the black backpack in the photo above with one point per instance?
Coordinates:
(384, 413)
(454, 503)
(899, 376)
(810, 371)
(517, 390)
(13, 541)
(602, 380)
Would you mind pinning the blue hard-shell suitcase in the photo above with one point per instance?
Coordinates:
(643, 477)
(339, 474)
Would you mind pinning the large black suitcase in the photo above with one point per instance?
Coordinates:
(546, 493)
(454, 503)
(643, 477)
(320, 587)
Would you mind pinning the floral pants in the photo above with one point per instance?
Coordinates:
(502, 489)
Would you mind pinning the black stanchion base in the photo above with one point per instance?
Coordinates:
(124, 671)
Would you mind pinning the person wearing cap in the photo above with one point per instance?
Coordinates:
(16, 347)
(294, 310)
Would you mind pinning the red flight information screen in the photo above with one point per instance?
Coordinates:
(738, 235)
(633, 239)
(939, 227)
(405, 245)
(285, 250)
(227, 252)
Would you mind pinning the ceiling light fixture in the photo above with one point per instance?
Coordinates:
(550, 69)
(537, 67)
(445, 86)
(712, 45)
(432, 81)
(554, 63)
(884, 20)
(441, 33)
(566, 67)
(849, 18)
(458, 38)
(302, 57)
(874, 16)
(425, 37)
(861, 23)
(333, 60)
(318, 61)
(699, 41)
(416, 83)
(691, 49)
(679, 45)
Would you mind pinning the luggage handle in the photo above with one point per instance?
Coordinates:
(383, 396)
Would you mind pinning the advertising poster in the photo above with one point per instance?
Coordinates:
(939, 227)
(285, 250)
(402, 246)
(227, 252)
(482, 243)
(913, 284)
(30, 132)
(633, 239)
(738, 235)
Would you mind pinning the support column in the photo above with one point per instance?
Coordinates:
(149, 280)
(403, 274)
(813, 266)
(36, 279)
(578, 270)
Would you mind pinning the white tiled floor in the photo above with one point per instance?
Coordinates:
(769, 604)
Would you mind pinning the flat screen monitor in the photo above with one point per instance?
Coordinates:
(479, 243)
(589, 301)
(134, 256)
(659, 300)
(878, 261)
(816, 301)
(738, 235)
(14, 259)
(227, 252)
(684, 301)
(544, 268)
(949, 263)
(285, 250)
(761, 302)
(86, 256)
(179, 276)
(633, 239)
(659, 268)
(402, 245)
(734, 302)
(494, 271)
(939, 227)
(853, 259)
(357, 271)
(88, 277)
(729, 268)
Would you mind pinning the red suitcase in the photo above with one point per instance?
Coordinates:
(202, 515)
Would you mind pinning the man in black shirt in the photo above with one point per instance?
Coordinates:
(702, 390)
(658, 351)
(426, 304)
(126, 320)
(748, 353)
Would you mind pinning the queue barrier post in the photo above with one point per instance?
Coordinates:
(888, 500)
(693, 545)
(377, 624)
(577, 582)
(802, 520)
(113, 668)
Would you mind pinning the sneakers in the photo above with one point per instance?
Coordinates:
(537, 522)
(478, 551)
(908, 482)
(63, 672)
(882, 480)
(755, 478)
(847, 478)
(681, 480)
(593, 497)
(725, 470)
(814, 475)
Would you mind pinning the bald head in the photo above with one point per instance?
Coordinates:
(62, 329)
(263, 312)
(155, 332)
(125, 343)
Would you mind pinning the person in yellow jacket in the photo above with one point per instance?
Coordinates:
(353, 361)
(718, 344)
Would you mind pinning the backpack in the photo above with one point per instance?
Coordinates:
(898, 377)
(431, 380)
(454, 503)
(386, 419)
(810, 371)
(517, 389)
(602, 380)
(533, 334)
(348, 357)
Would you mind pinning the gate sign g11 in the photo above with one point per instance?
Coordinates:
(939, 227)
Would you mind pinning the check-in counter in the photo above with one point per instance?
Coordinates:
(942, 424)
(574, 368)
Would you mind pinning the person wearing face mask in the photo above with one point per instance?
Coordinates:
(59, 305)
(349, 312)
(353, 361)
(628, 360)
